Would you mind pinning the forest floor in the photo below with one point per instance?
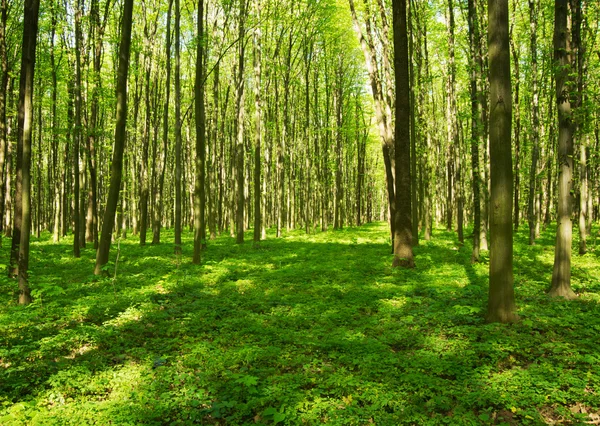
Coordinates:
(304, 329)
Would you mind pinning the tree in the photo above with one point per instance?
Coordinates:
(239, 126)
(535, 135)
(178, 165)
(28, 55)
(475, 123)
(561, 273)
(119, 146)
(199, 194)
(403, 254)
(501, 302)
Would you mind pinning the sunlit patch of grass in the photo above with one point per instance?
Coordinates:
(315, 328)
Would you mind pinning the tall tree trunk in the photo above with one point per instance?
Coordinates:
(258, 193)
(239, 127)
(517, 174)
(475, 123)
(382, 108)
(199, 194)
(535, 118)
(144, 179)
(561, 274)
(501, 302)
(178, 164)
(30, 29)
(119, 146)
(4, 168)
(78, 132)
(413, 136)
(159, 199)
(403, 253)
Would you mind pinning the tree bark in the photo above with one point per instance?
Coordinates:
(199, 194)
(159, 199)
(258, 193)
(535, 124)
(239, 128)
(501, 302)
(475, 123)
(561, 274)
(30, 29)
(178, 160)
(119, 146)
(403, 253)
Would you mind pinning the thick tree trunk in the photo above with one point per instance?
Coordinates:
(561, 274)
(30, 29)
(403, 253)
(501, 302)
(119, 146)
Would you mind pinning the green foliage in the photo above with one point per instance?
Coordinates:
(312, 329)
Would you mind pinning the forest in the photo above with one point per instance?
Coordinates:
(289, 212)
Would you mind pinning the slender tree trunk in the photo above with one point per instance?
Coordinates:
(30, 29)
(403, 253)
(4, 168)
(413, 136)
(178, 160)
(119, 146)
(501, 302)
(77, 134)
(517, 142)
(239, 127)
(144, 179)
(258, 193)
(535, 132)
(199, 194)
(561, 274)
(159, 198)
(475, 123)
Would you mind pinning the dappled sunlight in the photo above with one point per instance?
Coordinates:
(285, 328)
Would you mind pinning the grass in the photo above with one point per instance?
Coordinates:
(304, 329)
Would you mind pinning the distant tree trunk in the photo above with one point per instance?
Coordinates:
(199, 194)
(501, 302)
(475, 123)
(403, 253)
(561, 274)
(119, 146)
(30, 29)
(239, 127)
(144, 179)
(339, 102)
(535, 132)
(178, 164)
(158, 194)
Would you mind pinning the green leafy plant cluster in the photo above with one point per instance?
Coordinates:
(306, 329)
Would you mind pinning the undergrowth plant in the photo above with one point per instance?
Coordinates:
(304, 329)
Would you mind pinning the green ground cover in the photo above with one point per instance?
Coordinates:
(302, 330)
